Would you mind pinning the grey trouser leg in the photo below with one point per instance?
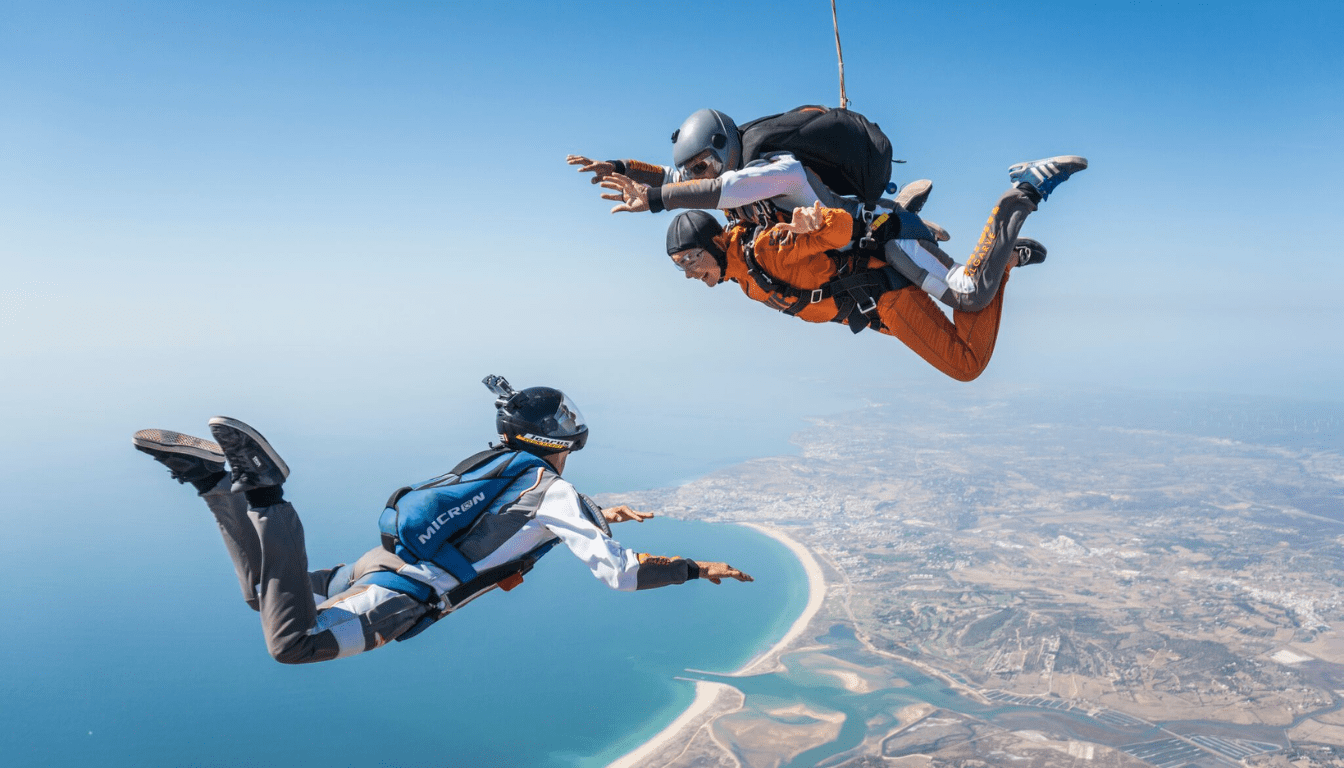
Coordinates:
(269, 555)
(972, 286)
(240, 538)
(288, 610)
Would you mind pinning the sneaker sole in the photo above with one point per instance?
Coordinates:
(914, 195)
(255, 436)
(166, 441)
(1034, 245)
(1058, 160)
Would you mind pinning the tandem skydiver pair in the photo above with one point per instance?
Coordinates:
(857, 259)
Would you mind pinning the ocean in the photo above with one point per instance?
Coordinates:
(128, 644)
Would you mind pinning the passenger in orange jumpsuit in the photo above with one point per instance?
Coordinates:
(794, 258)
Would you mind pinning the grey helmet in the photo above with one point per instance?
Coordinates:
(708, 129)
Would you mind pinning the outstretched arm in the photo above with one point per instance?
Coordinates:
(636, 197)
(644, 173)
(658, 571)
(733, 189)
(618, 567)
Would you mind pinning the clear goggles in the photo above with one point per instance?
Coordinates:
(688, 258)
(705, 165)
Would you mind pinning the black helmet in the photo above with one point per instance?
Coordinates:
(539, 420)
(695, 229)
(708, 129)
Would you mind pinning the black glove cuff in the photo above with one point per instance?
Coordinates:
(692, 570)
(618, 166)
(656, 200)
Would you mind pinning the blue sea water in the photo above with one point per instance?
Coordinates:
(158, 662)
(128, 644)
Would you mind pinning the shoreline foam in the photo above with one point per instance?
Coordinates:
(706, 693)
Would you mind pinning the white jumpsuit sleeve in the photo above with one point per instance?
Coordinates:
(782, 177)
(611, 563)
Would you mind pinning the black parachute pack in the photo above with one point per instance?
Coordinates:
(846, 150)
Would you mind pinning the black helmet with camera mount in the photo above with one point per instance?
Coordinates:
(538, 420)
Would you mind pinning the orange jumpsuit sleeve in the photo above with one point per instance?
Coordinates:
(801, 260)
(644, 173)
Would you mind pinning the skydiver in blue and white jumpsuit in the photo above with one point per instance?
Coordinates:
(341, 611)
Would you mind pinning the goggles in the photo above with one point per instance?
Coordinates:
(706, 165)
(687, 259)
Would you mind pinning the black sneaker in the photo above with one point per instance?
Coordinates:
(1028, 251)
(253, 461)
(187, 458)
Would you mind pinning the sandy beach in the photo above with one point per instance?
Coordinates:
(706, 692)
(816, 593)
(705, 695)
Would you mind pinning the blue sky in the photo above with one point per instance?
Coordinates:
(307, 213)
(332, 219)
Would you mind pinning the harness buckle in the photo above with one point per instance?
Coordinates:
(868, 306)
(872, 221)
(816, 296)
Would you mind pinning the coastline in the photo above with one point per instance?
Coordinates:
(816, 594)
(707, 693)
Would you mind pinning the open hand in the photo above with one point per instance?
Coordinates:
(805, 221)
(621, 513)
(717, 572)
(634, 196)
(600, 169)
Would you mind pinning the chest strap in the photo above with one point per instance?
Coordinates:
(505, 576)
(855, 289)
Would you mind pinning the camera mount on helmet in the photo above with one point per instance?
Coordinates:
(500, 386)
